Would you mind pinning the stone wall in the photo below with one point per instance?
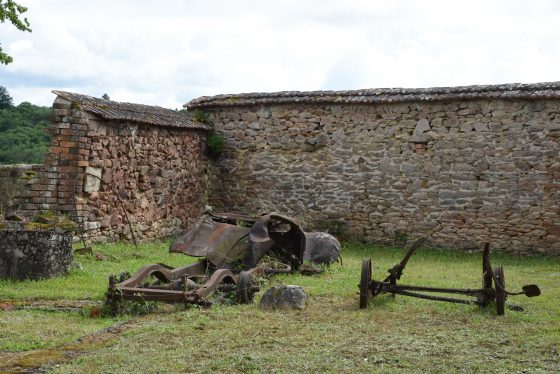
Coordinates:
(28, 254)
(485, 169)
(113, 163)
(158, 174)
(13, 179)
(151, 175)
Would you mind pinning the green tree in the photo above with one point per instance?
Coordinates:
(12, 11)
(5, 98)
(23, 135)
(105, 97)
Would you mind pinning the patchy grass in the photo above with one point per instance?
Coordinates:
(332, 334)
(23, 330)
(92, 281)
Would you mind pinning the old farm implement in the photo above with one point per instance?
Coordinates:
(493, 285)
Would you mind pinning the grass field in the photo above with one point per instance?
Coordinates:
(331, 335)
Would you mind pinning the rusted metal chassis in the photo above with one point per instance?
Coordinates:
(485, 295)
(132, 289)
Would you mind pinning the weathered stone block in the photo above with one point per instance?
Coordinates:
(422, 126)
(34, 254)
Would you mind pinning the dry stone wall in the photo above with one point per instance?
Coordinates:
(26, 254)
(14, 179)
(119, 169)
(156, 175)
(484, 169)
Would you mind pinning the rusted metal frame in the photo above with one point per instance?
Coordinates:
(202, 292)
(396, 271)
(150, 294)
(170, 275)
(232, 217)
(388, 287)
(484, 295)
(129, 289)
(437, 298)
(211, 284)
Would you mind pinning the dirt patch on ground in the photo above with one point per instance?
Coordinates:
(40, 360)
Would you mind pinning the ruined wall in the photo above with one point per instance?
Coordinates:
(27, 254)
(159, 175)
(485, 169)
(154, 174)
(13, 179)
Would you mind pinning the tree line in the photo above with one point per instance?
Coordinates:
(23, 135)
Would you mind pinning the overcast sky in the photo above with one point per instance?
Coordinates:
(168, 52)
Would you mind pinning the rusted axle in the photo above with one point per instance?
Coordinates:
(370, 288)
(480, 293)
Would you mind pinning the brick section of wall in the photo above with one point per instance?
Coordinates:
(69, 154)
(486, 170)
(52, 188)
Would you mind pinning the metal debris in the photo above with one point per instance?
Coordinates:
(370, 288)
(234, 250)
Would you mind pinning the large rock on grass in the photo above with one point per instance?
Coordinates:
(284, 297)
(321, 248)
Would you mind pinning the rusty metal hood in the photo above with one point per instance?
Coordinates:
(224, 243)
(219, 242)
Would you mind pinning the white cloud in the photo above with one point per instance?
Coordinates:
(168, 52)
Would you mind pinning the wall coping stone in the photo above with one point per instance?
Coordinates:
(544, 90)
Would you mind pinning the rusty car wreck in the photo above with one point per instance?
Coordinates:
(234, 249)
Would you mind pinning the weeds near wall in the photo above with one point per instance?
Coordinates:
(215, 144)
(201, 116)
(400, 237)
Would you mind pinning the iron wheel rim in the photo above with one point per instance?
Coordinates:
(365, 279)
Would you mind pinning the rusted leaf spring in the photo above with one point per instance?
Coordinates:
(370, 288)
(133, 288)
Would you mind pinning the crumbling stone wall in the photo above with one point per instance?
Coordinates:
(158, 174)
(28, 254)
(484, 169)
(152, 175)
(109, 161)
(13, 179)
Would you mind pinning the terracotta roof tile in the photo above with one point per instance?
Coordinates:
(384, 95)
(113, 110)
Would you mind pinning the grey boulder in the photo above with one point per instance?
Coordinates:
(284, 297)
(321, 248)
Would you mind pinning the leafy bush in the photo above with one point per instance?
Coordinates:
(215, 144)
(201, 116)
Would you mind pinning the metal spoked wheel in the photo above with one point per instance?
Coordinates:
(500, 285)
(245, 288)
(364, 283)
